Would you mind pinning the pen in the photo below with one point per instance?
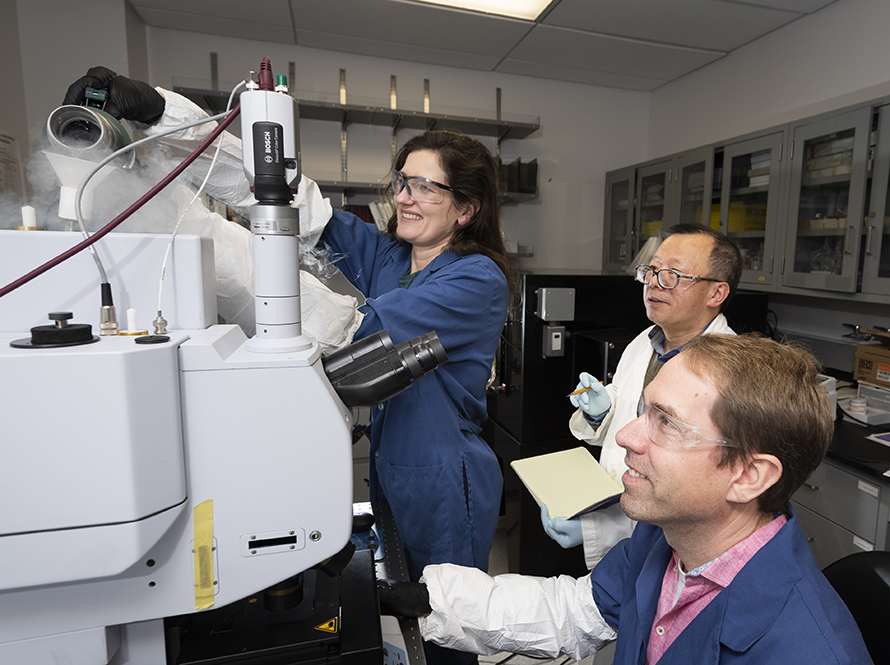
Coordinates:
(580, 390)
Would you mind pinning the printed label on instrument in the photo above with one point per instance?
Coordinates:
(328, 626)
(869, 489)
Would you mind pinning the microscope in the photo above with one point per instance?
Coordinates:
(162, 491)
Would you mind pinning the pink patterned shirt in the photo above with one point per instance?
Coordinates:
(682, 600)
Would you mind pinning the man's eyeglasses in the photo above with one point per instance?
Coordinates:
(668, 278)
(666, 431)
(422, 190)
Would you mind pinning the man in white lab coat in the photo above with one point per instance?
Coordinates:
(692, 276)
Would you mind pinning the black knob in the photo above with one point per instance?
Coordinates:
(61, 318)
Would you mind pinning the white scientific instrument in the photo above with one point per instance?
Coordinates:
(152, 476)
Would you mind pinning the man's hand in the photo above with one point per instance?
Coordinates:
(127, 99)
(565, 532)
(594, 401)
(403, 599)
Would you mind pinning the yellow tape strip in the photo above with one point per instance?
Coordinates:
(204, 555)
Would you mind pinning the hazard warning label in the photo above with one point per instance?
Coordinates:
(328, 626)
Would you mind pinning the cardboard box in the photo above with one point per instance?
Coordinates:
(873, 360)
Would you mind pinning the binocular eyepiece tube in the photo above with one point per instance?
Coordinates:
(374, 369)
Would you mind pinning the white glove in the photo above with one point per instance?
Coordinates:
(595, 400)
(331, 318)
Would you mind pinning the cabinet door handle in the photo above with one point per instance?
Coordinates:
(868, 239)
(670, 174)
(772, 261)
(812, 488)
(811, 540)
(847, 239)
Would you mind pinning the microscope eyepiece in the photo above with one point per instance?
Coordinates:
(374, 369)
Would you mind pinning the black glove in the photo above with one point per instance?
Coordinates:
(127, 99)
(403, 599)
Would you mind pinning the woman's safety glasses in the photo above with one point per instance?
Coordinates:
(422, 190)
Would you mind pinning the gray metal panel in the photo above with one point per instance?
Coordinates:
(562, 46)
(828, 542)
(843, 498)
(706, 24)
(411, 24)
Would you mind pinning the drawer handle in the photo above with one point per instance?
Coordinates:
(812, 488)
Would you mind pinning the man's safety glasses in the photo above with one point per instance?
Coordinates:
(666, 431)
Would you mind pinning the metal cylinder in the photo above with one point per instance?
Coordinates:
(85, 132)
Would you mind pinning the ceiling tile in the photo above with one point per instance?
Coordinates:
(384, 49)
(802, 6)
(707, 24)
(213, 25)
(560, 46)
(407, 23)
(633, 44)
(575, 75)
(273, 12)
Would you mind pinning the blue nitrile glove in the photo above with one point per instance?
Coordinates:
(594, 402)
(565, 532)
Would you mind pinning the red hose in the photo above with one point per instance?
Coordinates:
(113, 224)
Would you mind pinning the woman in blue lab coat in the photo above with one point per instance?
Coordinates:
(441, 265)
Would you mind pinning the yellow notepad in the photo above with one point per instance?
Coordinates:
(570, 482)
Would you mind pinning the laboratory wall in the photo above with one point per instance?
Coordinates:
(830, 59)
(833, 58)
(59, 42)
(13, 123)
(585, 130)
(44, 46)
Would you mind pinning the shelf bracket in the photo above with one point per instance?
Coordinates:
(497, 107)
(394, 105)
(343, 134)
(214, 71)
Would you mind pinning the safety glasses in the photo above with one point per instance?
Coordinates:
(666, 431)
(668, 278)
(422, 190)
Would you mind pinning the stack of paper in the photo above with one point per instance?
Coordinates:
(570, 482)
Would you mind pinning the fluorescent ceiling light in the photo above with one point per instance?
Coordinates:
(525, 9)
